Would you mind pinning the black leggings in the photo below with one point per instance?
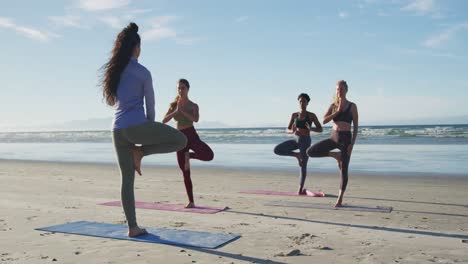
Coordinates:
(287, 149)
(340, 140)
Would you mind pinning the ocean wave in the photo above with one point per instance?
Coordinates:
(56, 137)
(418, 131)
(367, 135)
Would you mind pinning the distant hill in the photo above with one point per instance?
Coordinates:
(95, 124)
(449, 120)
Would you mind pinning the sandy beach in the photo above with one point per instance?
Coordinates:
(428, 223)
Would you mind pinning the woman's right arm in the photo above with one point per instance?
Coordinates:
(330, 114)
(171, 112)
(291, 127)
(149, 97)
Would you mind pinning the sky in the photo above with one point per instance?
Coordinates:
(246, 60)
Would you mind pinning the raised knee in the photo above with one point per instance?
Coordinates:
(312, 152)
(277, 150)
(210, 156)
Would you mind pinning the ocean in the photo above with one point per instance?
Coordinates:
(402, 150)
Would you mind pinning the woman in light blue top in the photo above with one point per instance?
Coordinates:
(126, 83)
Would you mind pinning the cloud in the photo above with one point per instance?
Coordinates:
(361, 4)
(140, 11)
(439, 39)
(242, 19)
(377, 66)
(29, 32)
(421, 7)
(119, 22)
(66, 21)
(113, 22)
(159, 29)
(186, 41)
(343, 14)
(426, 52)
(369, 34)
(6, 22)
(383, 14)
(157, 33)
(100, 5)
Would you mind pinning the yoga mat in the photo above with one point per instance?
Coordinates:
(309, 193)
(170, 207)
(377, 209)
(156, 235)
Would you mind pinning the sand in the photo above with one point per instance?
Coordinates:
(428, 223)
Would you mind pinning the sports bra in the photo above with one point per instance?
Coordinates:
(345, 116)
(302, 123)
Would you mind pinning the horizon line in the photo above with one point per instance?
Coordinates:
(226, 127)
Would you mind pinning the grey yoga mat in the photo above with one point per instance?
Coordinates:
(377, 209)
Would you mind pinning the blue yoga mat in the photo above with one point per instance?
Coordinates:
(156, 235)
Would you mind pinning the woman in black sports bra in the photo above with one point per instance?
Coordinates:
(343, 113)
(300, 125)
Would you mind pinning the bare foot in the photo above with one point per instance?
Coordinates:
(338, 202)
(136, 231)
(137, 157)
(190, 205)
(187, 161)
(302, 192)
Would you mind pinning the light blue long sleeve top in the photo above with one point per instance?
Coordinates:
(135, 85)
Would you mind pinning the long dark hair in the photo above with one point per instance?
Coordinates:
(124, 45)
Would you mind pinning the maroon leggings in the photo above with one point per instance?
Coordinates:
(201, 151)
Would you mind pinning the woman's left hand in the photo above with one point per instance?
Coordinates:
(350, 149)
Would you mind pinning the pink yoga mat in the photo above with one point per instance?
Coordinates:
(309, 193)
(170, 207)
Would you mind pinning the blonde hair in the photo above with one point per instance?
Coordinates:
(174, 103)
(345, 85)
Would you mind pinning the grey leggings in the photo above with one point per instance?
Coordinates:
(286, 149)
(340, 140)
(155, 138)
